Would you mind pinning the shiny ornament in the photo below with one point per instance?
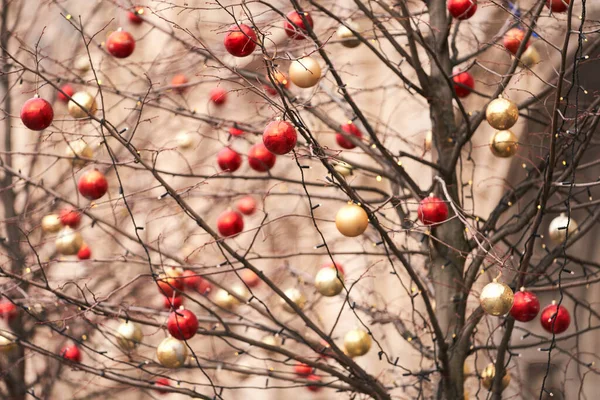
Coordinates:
(280, 79)
(432, 210)
(296, 296)
(229, 160)
(329, 282)
(172, 303)
(240, 41)
(92, 185)
(357, 343)
(182, 324)
(531, 57)
(225, 300)
(84, 253)
(134, 16)
(260, 158)
(230, 223)
(37, 114)
(314, 379)
(428, 140)
(558, 6)
(66, 92)
(191, 279)
(502, 113)
(51, 223)
(555, 319)
(250, 278)
(120, 44)
(488, 374)
(246, 205)
(343, 168)
(350, 129)
(78, 150)
(504, 144)
(526, 306)
(82, 64)
(271, 340)
(162, 382)
(7, 343)
(171, 353)
(496, 299)
(8, 311)
(71, 353)
(179, 83)
(129, 335)
(512, 40)
(280, 137)
(560, 226)
(233, 131)
(81, 104)
(170, 282)
(294, 25)
(204, 287)
(68, 241)
(463, 84)
(462, 9)
(351, 220)
(70, 217)
(184, 140)
(302, 369)
(218, 96)
(345, 35)
(305, 72)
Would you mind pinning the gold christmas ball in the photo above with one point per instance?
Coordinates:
(271, 340)
(82, 64)
(496, 298)
(223, 299)
(296, 296)
(79, 148)
(7, 342)
(68, 241)
(328, 282)
(487, 377)
(351, 220)
(357, 343)
(345, 35)
(558, 228)
(343, 168)
(129, 335)
(305, 72)
(502, 113)
(530, 57)
(85, 100)
(51, 223)
(504, 144)
(171, 353)
(184, 140)
(428, 140)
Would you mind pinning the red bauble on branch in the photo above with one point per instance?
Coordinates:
(218, 96)
(558, 6)
(92, 185)
(462, 9)
(512, 40)
(280, 137)
(71, 353)
(8, 311)
(432, 210)
(191, 279)
(120, 44)
(70, 217)
(134, 16)
(302, 369)
(182, 324)
(249, 277)
(172, 303)
(204, 287)
(316, 379)
(229, 160)
(233, 131)
(526, 306)
(298, 31)
(230, 223)
(68, 90)
(170, 282)
(246, 205)
(84, 253)
(260, 158)
(351, 129)
(178, 83)
(37, 114)
(162, 382)
(463, 84)
(240, 41)
(555, 319)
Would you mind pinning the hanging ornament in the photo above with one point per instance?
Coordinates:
(496, 298)
(272, 340)
(432, 210)
(230, 223)
(81, 104)
(70, 217)
(225, 300)
(343, 168)
(68, 241)
(305, 72)
(92, 184)
(134, 16)
(71, 353)
(560, 226)
(302, 369)
(77, 150)
(171, 353)
(37, 114)
(296, 296)
(531, 57)
(246, 205)
(51, 223)
(260, 158)
(84, 252)
(250, 278)
(315, 379)
(67, 90)
(488, 374)
(345, 35)
(558, 6)
(229, 160)
(512, 40)
(218, 96)
(504, 144)
(233, 131)
(162, 382)
(7, 343)
(182, 324)
(184, 140)
(172, 303)
(120, 44)
(294, 25)
(280, 80)
(179, 83)
(8, 310)
(526, 306)
(329, 282)
(357, 343)
(129, 335)
(351, 220)
(462, 9)
(240, 41)
(350, 129)
(502, 113)
(463, 84)
(170, 281)
(428, 140)
(191, 279)
(82, 64)
(280, 137)
(555, 319)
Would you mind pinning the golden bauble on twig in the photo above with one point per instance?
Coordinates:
(171, 353)
(504, 144)
(343, 168)
(225, 300)
(7, 342)
(345, 35)
(329, 282)
(488, 374)
(558, 228)
(305, 72)
(496, 298)
(51, 223)
(129, 335)
(79, 148)
(357, 342)
(68, 241)
(530, 57)
(502, 113)
(79, 100)
(351, 220)
(296, 296)
(184, 140)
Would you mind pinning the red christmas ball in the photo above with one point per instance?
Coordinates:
(162, 382)
(260, 158)
(204, 287)
(555, 319)
(339, 267)
(169, 285)
(302, 369)
(350, 129)
(229, 160)
(92, 185)
(526, 306)
(512, 40)
(463, 84)
(172, 303)
(68, 90)
(298, 31)
(233, 131)
(37, 114)
(249, 277)
(240, 41)
(134, 16)
(8, 311)
(178, 81)
(84, 252)
(218, 96)
(246, 205)
(191, 279)
(432, 210)
(70, 217)
(280, 137)
(71, 353)
(558, 5)
(182, 324)
(120, 44)
(316, 379)
(230, 223)
(462, 9)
